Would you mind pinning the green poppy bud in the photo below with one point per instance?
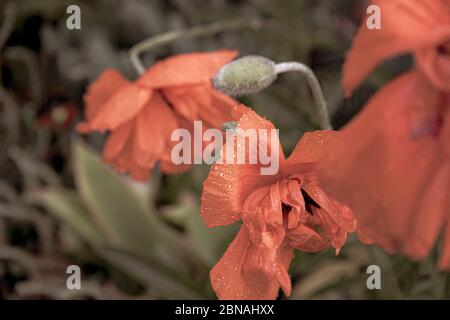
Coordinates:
(246, 75)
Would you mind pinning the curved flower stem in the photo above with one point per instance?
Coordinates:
(9, 17)
(322, 109)
(201, 30)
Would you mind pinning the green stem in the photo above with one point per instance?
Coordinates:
(201, 30)
(314, 84)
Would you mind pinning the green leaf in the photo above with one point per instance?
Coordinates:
(323, 277)
(121, 215)
(67, 207)
(159, 283)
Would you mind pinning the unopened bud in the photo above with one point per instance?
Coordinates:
(246, 75)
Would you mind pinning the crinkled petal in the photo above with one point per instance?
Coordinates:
(153, 128)
(340, 213)
(225, 190)
(270, 264)
(232, 279)
(228, 185)
(307, 239)
(135, 146)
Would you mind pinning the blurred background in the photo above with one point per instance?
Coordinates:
(60, 205)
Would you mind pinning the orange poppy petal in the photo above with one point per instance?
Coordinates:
(229, 280)
(184, 69)
(405, 27)
(286, 253)
(444, 260)
(145, 151)
(436, 66)
(139, 173)
(121, 107)
(310, 147)
(340, 214)
(201, 102)
(307, 239)
(268, 265)
(83, 127)
(446, 132)
(228, 185)
(125, 163)
(166, 163)
(98, 94)
(183, 102)
(101, 90)
(117, 141)
(383, 163)
(218, 110)
(151, 137)
(250, 120)
(428, 219)
(224, 191)
(192, 101)
(168, 167)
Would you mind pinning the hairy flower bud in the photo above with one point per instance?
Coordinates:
(246, 75)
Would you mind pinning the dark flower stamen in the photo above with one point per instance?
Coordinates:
(309, 202)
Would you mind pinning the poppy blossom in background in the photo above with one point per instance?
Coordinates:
(59, 117)
(391, 163)
(279, 213)
(142, 115)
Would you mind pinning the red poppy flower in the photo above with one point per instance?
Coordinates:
(142, 115)
(279, 213)
(390, 164)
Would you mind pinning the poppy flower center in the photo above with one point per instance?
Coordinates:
(285, 209)
(444, 48)
(309, 203)
(274, 213)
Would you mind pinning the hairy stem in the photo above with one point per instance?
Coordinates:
(201, 30)
(313, 82)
